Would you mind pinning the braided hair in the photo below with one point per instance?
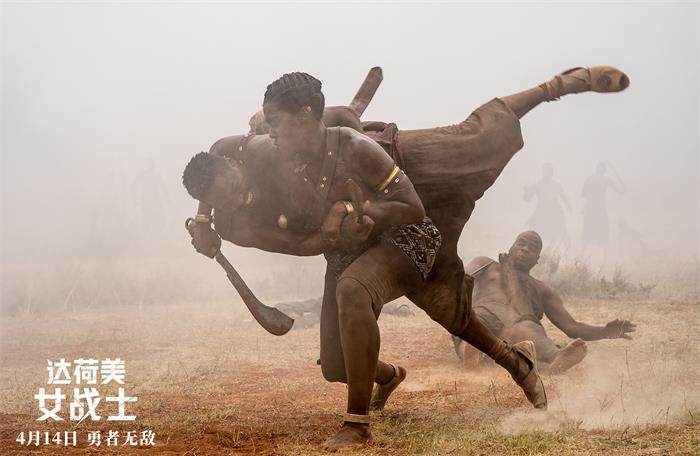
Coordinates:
(293, 91)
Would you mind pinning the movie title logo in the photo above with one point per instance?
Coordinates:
(75, 395)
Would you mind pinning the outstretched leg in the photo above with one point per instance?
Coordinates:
(576, 80)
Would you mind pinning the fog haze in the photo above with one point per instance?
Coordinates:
(103, 105)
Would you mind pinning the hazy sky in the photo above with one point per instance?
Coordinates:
(90, 93)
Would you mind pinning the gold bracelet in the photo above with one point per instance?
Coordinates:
(348, 207)
(202, 218)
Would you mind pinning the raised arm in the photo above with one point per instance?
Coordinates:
(562, 319)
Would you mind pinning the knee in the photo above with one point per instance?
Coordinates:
(351, 296)
(333, 373)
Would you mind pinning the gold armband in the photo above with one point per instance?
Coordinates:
(385, 183)
(203, 218)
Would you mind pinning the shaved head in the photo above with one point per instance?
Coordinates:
(525, 251)
(533, 237)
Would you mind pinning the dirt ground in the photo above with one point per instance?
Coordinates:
(210, 381)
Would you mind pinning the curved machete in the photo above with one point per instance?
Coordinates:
(274, 321)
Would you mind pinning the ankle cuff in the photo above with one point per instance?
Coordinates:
(397, 372)
(352, 418)
(552, 93)
(498, 350)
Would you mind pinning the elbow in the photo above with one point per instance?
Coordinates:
(416, 215)
(417, 212)
(413, 215)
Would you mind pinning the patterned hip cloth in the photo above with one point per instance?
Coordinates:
(419, 241)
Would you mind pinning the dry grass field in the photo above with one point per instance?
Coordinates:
(210, 381)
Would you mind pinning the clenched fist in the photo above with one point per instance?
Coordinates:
(351, 229)
(205, 240)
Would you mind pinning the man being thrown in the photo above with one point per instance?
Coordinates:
(511, 303)
(295, 200)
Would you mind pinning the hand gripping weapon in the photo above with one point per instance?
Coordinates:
(274, 321)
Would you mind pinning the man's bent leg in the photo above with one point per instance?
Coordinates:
(529, 330)
(552, 358)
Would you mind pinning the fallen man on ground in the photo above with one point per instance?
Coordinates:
(511, 303)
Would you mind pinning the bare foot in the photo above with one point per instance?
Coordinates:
(350, 436)
(568, 356)
(381, 393)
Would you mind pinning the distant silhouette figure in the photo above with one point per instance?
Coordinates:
(596, 223)
(548, 218)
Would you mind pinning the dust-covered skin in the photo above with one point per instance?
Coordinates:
(512, 303)
(301, 137)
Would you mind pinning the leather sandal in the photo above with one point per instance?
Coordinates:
(381, 393)
(532, 383)
(602, 79)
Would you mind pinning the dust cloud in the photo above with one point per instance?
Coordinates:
(653, 381)
(103, 105)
